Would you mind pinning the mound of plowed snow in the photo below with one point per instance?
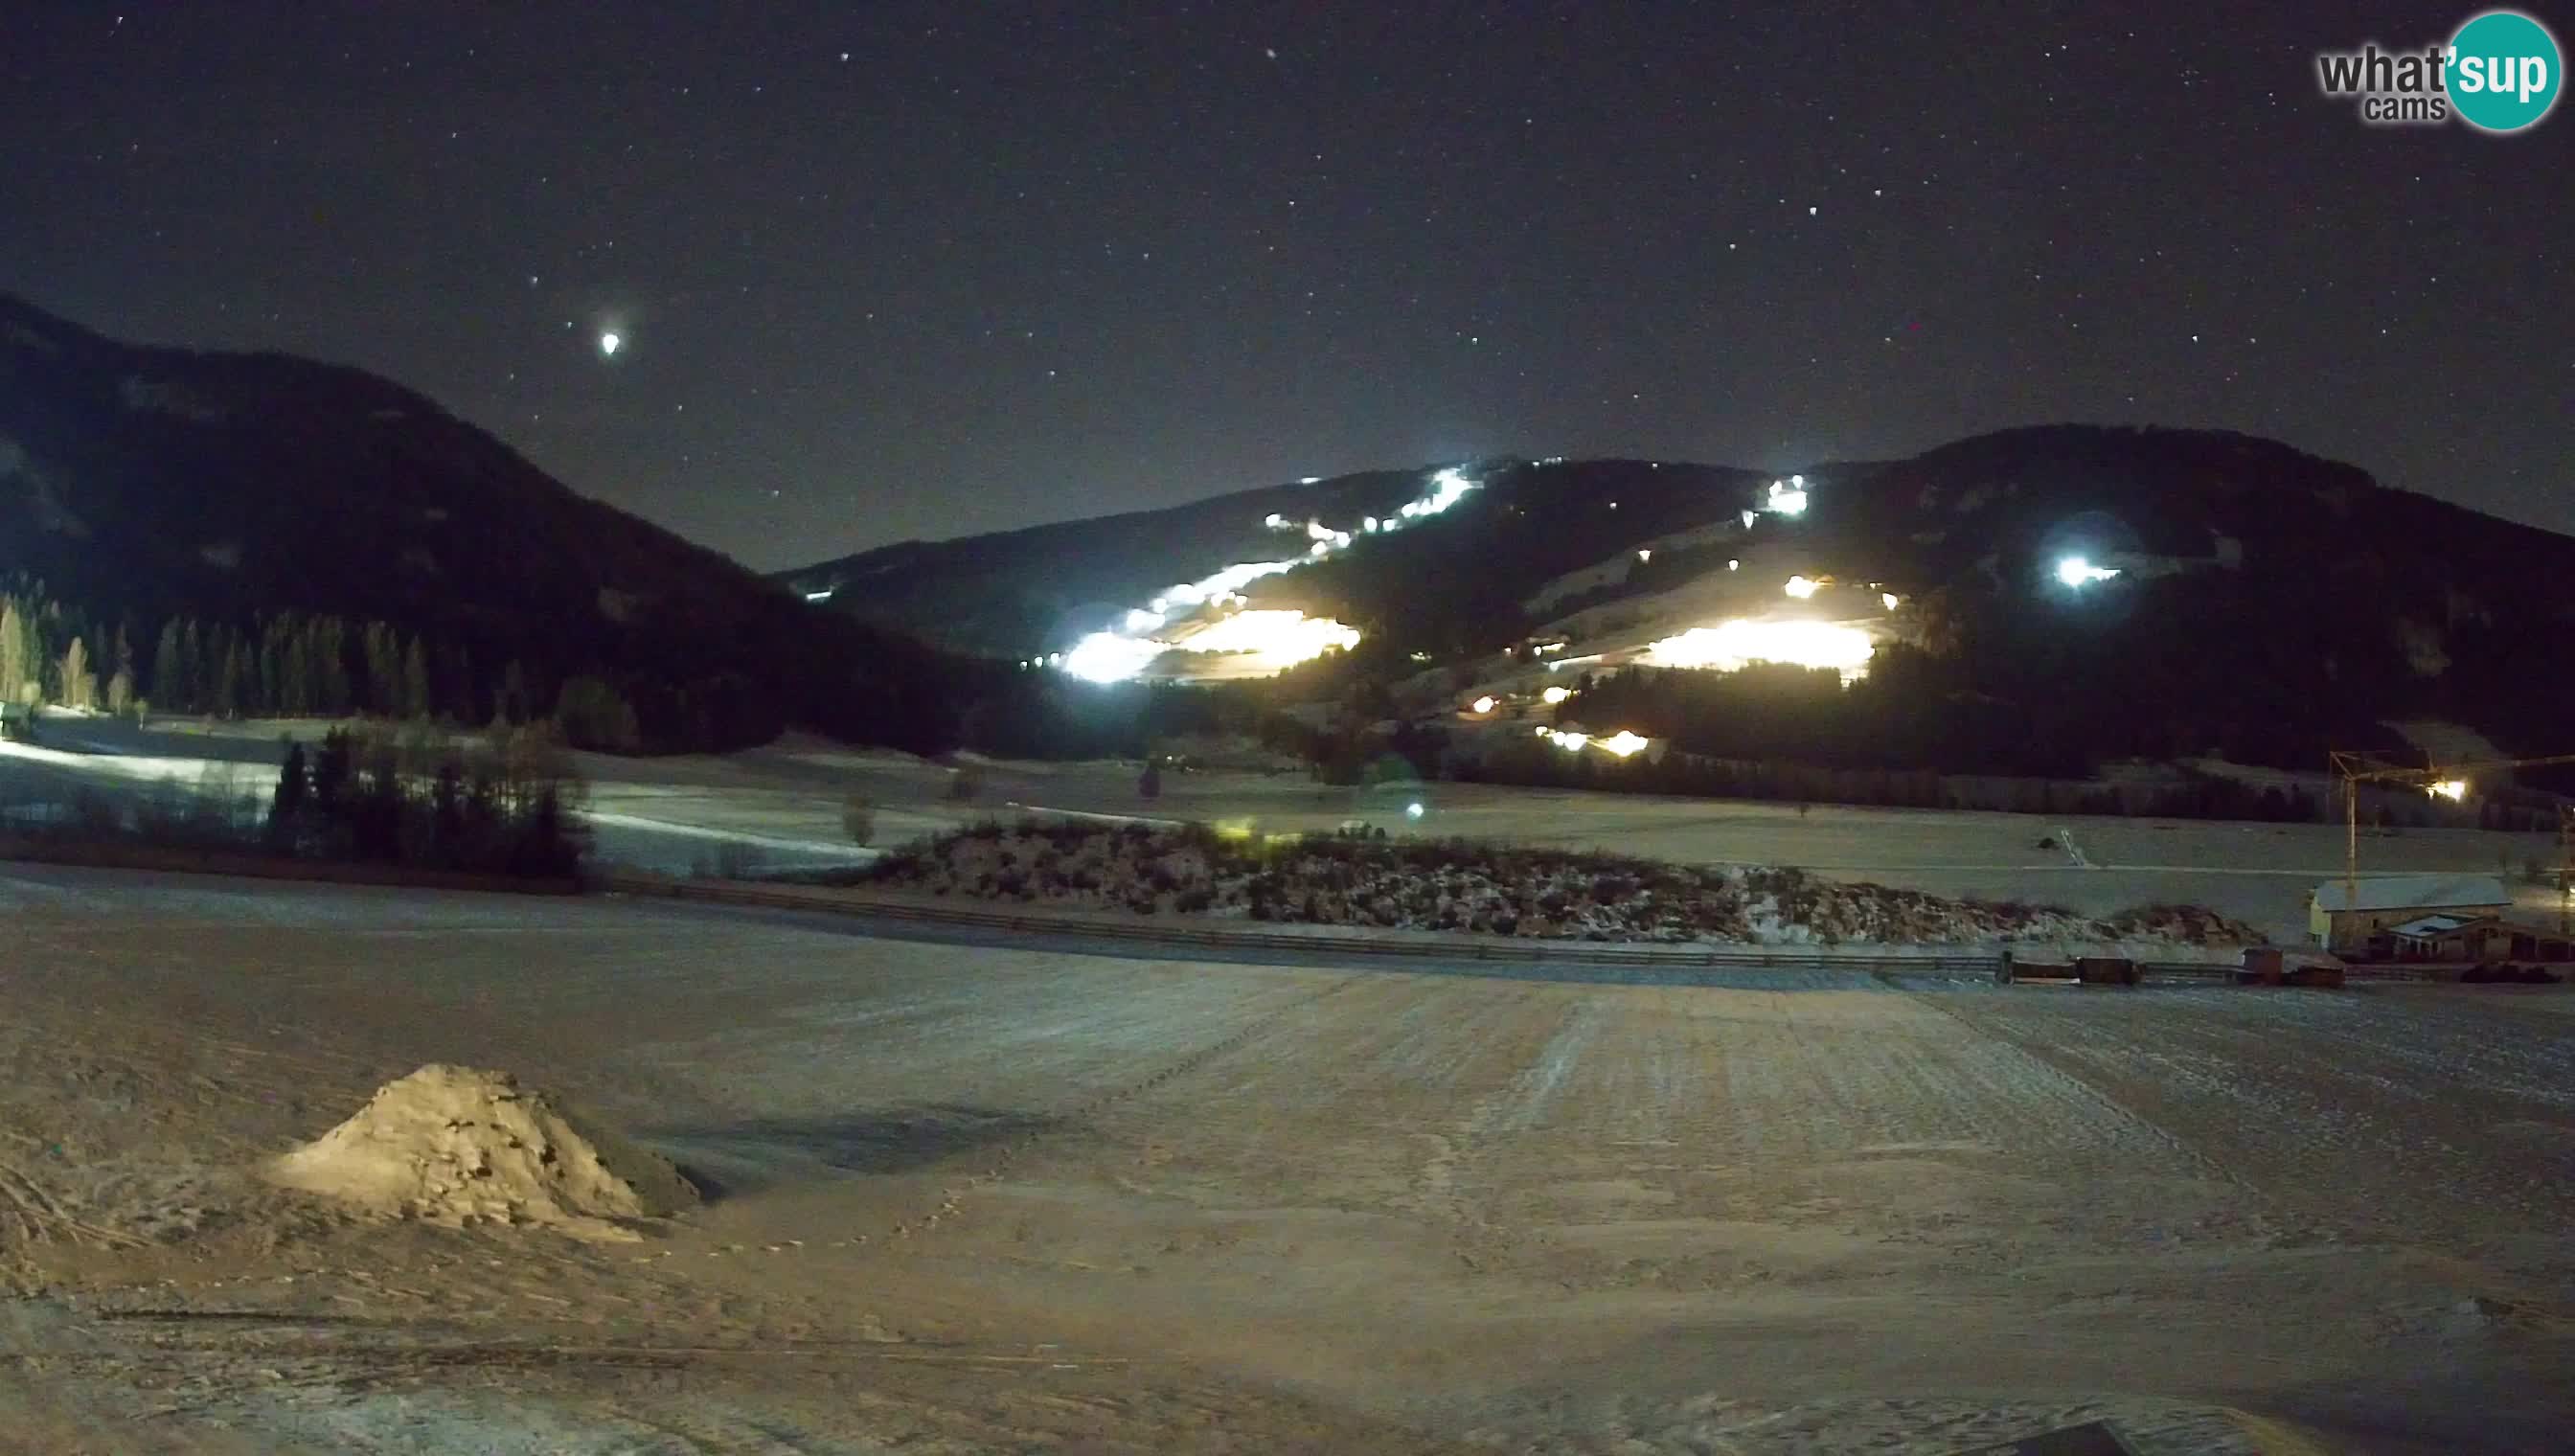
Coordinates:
(459, 1146)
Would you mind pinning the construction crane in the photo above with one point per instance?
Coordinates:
(2451, 782)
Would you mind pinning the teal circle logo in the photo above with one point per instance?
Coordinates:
(2504, 71)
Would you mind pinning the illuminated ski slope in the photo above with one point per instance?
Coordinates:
(1209, 617)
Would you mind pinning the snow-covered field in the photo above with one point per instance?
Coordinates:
(974, 1199)
(781, 806)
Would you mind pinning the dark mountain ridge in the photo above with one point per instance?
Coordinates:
(141, 484)
(2267, 601)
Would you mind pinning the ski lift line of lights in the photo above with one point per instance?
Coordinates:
(1292, 636)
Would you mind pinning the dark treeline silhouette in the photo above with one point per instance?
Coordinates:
(1916, 712)
(2192, 795)
(505, 803)
(1044, 714)
(412, 798)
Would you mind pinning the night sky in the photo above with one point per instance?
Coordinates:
(886, 271)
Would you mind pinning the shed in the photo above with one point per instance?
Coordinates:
(2347, 925)
(2450, 937)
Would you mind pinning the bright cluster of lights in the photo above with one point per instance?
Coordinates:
(2453, 789)
(2077, 571)
(1276, 633)
(1788, 497)
(1105, 657)
(1618, 745)
(1486, 704)
(1447, 488)
(1556, 694)
(1803, 588)
(1731, 645)
(1281, 636)
(1274, 639)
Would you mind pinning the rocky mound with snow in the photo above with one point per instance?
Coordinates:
(1487, 889)
(460, 1147)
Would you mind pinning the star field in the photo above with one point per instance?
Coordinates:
(889, 271)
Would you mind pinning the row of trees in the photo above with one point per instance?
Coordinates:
(505, 803)
(2193, 795)
(295, 664)
(1912, 712)
(411, 797)
(49, 654)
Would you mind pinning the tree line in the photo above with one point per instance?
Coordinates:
(290, 664)
(412, 797)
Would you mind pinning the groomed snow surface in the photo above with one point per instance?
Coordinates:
(972, 1198)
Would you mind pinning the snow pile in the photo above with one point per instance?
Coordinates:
(460, 1146)
(1489, 889)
